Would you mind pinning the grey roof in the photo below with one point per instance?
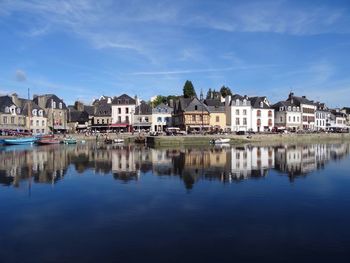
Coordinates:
(89, 109)
(215, 105)
(347, 110)
(77, 116)
(33, 105)
(283, 104)
(5, 101)
(49, 98)
(300, 100)
(123, 100)
(143, 109)
(256, 102)
(103, 109)
(189, 104)
(164, 108)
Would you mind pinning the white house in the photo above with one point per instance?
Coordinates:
(322, 115)
(123, 109)
(308, 110)
(287, 115)
(238, 113)
(143, 117)
(161, 117)
(262, 117)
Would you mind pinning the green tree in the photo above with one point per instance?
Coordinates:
(188, 90)
(159, 99)
(225, 91)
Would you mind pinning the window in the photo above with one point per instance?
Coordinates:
(289, 119)
(294, 108)
(37, 131)
(34, 112)
(7, 110)
(31, 122)
(217, 118)
(244, 121)
(119, 119)
(167, 119)
(43, 131)
(54, 104)
(127, 119)
(195, 107)
(237, 112)
(5, 120)
(159, 119)
(60, 105)
(98, 121)
(37, 122)
(193, 117)
(261, 104)
(258, 113)
(281, 119)
(119, 110)
(146, 119)
(270, 113)
(103, 121)
(18, 111)
(258, 122)
(43, 123)
(244, 112)
(289, 108)
(40, 113)
(237, 121)
(293, 118)
(298, 119)
(281, 108)
(126, 110)
(270, 122)
(12, 120)
(244, 102)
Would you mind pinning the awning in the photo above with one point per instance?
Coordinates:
(119, 125)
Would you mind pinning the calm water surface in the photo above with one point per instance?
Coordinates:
(98, 203)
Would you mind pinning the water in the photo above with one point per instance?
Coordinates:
(89, 203)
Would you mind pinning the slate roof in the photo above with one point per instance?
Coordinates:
(163, 106)
(49, 98)
(143, 109)
(77, 116)
(123, 100)
(256, 102)
(89, 110)
(215, 105)
(347, 110)
(189, 104)
(103, 109)
(5, 101)
(300, 100)
(279, 104)
(33, 105)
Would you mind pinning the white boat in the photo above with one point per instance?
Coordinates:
(118, 140)
(221, 140)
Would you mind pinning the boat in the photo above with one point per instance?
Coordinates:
(119, 140)
(20, 141)
(140, 139)
(69, 141)
(221, 140)
(48, 141)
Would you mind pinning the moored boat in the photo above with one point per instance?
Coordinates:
(20, 141)
(221, 140)
(49, 141)
(118, 140)
(69, 141)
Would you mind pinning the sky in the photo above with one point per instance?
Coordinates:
(82, 49)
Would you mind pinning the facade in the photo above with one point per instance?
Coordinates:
(262, 114)
(346, 110)
(238, 113)
(161, 117)
(78, 118)
(11, 117)
(142, 117)
(308, 110)
(217, 114)
(190, 114)
(123, 109)
(337, 119)
(287, 115)
(102, 118)
(55, 110)
(36, 118)
(322, 117)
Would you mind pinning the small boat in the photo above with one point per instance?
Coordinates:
(221, 140)
(20, 141)
(48, 141)
(119, 140)
(69, 141)
(109, 141)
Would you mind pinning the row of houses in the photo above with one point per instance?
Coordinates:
(48, 113)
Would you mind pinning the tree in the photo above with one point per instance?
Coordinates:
(188, 90)
(159, 99)
(225, 91)
(209, 94)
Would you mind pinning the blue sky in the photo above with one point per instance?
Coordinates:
(81, 49)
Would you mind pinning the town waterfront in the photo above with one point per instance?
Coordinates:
(130, 203)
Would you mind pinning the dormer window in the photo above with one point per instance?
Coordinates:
(281, 108)
(18, 110)
(237, 101)
(60, 105)
(40, 113)
(7, 110)
(261, 104)
(54, 104)
(289, 108)
(34, 112)
(196, 107)
(244, 102)
(293, 108)
(298, 109)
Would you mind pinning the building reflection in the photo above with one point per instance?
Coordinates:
(50, 164)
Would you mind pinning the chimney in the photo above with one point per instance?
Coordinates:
(227, 100)
(15, 100)
(304, 97)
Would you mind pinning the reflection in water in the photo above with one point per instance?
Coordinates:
(49, 164)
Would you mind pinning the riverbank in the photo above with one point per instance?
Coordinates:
(234, 139)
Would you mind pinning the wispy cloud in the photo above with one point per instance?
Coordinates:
(190, 71)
